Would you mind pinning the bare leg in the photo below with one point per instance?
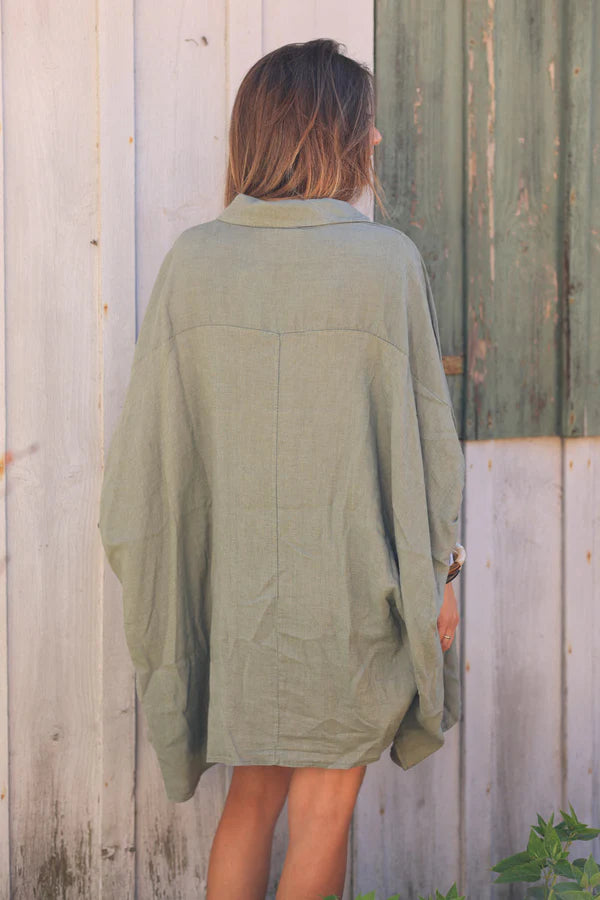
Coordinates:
(240, 856)
(320, 807)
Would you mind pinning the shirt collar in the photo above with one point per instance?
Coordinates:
(290, 212)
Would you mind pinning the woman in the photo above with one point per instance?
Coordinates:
(282, 490)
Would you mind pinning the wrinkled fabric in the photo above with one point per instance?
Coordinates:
(281, 495)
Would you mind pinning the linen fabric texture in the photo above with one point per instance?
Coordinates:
(281, 495)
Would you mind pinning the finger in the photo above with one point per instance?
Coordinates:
(446, 642)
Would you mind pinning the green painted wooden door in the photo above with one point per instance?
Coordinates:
(489, 111)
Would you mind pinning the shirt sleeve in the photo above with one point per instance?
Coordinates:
(428, 478)
(145, 547)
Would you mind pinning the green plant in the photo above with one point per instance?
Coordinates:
(451, 895)
(546, 858)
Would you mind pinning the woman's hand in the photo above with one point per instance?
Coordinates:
(448, 618)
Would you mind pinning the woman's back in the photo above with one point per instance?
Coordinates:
(281, 496)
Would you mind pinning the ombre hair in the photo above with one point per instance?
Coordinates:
(301, 127)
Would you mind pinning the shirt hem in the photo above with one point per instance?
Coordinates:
(277, 758)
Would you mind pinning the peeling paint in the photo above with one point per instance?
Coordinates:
(488, 40)
(523, 201)
(416, 107)
(478, 348)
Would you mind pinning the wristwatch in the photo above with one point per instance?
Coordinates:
(457, 558)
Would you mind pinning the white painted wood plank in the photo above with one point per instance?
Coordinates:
(243, 47)
(180, 104)
(514, 750)
(527, 637)
(478, 579)
(116, 240)
(581, 473)
(52, 397)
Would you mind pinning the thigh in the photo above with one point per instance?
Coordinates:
(327, 795)
(266, 786)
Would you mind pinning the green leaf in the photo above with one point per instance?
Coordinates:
(591, 866)
(574, 894)
(565, 888)
(536, 893)
(564, 867)
(552, 843)
(530, 871)
(535, 846)
(588, 834)
(453, 894)
(514, 860)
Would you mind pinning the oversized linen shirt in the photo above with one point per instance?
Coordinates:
(281, 496)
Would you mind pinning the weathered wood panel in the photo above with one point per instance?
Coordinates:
(580, 225)
(504, 216)
(513, 202)
(116, 249)
(418, 67)
(529, 738)
(407, 824)
(522, 653)
(82, 805)
(54, 627)
(580, 783)
(181, 88)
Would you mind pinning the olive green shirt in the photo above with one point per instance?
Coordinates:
(281, 496)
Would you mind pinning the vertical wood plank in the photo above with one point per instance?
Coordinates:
(408, 822)
(480, 691)
(513, 148)
(513, 672)
(180, 102)
(527, 639)
(52, 388)
(419, 77)
(117, 334)
(581, 530)
(580, 176)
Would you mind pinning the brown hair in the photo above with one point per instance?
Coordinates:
(301, 126)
